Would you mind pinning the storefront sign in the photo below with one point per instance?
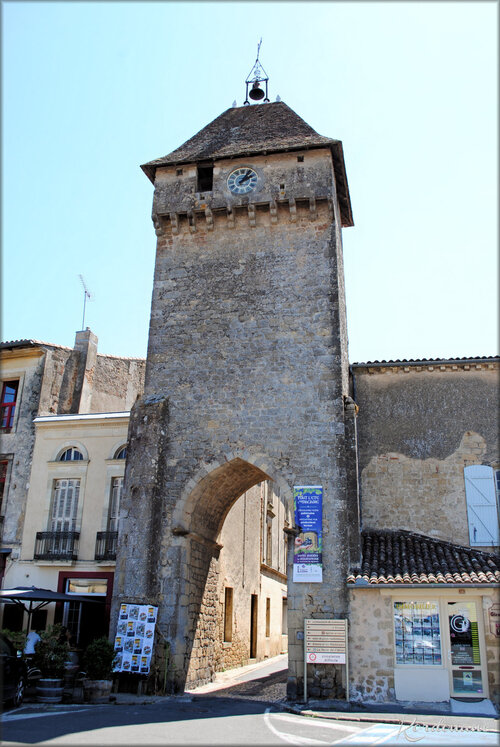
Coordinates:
(307, 557)
(134, 638)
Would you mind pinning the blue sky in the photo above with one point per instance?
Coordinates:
(92, 90)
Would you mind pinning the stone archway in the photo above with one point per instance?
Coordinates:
(197, 525)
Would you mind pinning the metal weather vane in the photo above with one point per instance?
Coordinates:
(256, 76)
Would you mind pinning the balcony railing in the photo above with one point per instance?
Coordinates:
(56, 545)
(105, 545)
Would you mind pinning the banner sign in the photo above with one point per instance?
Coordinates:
(134, 638)
(307, 556)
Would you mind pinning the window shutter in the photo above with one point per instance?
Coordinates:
(64, 506)
(482, 509)
(114, 505)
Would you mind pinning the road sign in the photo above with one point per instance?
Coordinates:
(325, 642)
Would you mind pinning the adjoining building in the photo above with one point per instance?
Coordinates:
(68, 531)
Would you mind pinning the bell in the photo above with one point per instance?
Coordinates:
(256, 93)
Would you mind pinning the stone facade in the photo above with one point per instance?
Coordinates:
(54, 380)
(419, 425)
(246, 377)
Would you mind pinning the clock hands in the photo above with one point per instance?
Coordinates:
(246, 177)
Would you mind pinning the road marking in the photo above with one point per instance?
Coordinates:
(321, 722)
(376, 734)
(20, 716)
(293, 738)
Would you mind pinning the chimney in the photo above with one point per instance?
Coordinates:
(86, 346)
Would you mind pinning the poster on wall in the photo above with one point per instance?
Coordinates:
(308, 550)
(135, 632)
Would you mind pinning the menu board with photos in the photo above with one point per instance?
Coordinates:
(134, 638)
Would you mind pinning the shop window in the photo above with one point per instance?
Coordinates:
(8, 404)
(71, 455)
(228, 614)
(482, 505)
(417, 633)
(268, 617)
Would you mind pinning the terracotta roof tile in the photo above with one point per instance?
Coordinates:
(395, 557)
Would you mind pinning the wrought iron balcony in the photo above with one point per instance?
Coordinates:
(105, 545)
(56, 545)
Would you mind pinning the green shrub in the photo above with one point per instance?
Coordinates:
(50, 653)
(17, 638)
(98, 659)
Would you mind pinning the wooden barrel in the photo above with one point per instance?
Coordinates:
(49, 690)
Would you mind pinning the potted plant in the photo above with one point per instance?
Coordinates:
(50, 656)
(98, 662)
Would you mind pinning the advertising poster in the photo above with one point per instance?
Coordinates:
(134, 638)
(308, 550)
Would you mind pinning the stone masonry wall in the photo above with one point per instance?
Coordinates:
(418, 427)
(245, 341)
(371, 647)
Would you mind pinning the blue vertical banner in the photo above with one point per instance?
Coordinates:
(308, 550)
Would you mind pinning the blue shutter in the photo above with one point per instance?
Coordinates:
(482, 509)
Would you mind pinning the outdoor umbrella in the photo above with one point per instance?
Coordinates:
(28, 596)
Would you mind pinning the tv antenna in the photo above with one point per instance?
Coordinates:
(86, 294)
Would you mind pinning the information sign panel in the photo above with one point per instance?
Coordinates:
(325, 642)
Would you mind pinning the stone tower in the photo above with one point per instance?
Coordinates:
(246, 374)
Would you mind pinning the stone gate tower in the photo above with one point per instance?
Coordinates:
(247, 371)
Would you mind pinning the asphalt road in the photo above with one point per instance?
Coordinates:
(209, 720)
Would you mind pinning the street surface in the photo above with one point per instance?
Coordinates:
(210, 721)
(243, 707)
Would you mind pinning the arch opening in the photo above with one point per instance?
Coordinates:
(237, 557)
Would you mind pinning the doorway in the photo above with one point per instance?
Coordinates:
(253, 626)
(467, 675)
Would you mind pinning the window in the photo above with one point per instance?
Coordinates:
(121, 453)
(114, 503)
(8, 404)
(71, 455)
(482, 505)
(3, 479)
(64, 505)
(205, 179)
(284, 616)
(417, 634)
(268, 617)
(228, 614)
(269, 541)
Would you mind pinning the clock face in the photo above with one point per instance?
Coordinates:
(242, 181)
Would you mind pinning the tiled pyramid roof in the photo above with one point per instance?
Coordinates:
(251, 130)
(402, 557)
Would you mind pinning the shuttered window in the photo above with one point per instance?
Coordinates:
(114, 503)
(482, 505)
(64, 505)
